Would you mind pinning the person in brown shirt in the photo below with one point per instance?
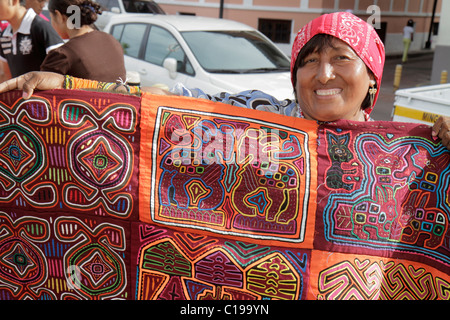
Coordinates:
(89, 53)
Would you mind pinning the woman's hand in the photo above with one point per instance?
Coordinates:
(35, 80)
(441, 129)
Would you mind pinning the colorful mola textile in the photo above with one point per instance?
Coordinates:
(109, 196)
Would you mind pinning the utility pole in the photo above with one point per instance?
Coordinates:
(430, 33)
(221, 9)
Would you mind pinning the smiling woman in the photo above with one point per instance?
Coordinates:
(336, 68)
(332, 81)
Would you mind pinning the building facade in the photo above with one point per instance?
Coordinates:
(281, 19)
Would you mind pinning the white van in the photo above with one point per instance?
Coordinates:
(422, 105)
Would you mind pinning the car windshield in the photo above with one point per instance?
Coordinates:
(235, 52)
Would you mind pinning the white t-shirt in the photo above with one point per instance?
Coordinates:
(407, 32)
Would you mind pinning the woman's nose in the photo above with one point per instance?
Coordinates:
(325, 72)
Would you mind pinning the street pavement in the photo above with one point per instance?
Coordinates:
(416, 73)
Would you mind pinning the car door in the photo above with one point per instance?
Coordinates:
(161, 45)
(146, 47)
(132, 37)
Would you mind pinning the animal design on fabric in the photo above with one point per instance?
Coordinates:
(400, 193)
(377, 218)
(427, 222)
(229, 174)
(268, 193)
(423, 225)
(195, 170)
(387, 165)
(339, 153)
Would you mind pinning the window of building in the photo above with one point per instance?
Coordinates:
(279, 31)
(435, 28)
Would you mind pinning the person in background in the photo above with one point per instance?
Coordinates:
(408, 37)
(3, 25)
(337, 64)
(37, 6)
(27, 39)
(89, 53)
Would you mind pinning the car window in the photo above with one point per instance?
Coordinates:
(117, 31)
(154, 7)
(235, 52)
(162, 44)
(130, 35)
(108, 4)
(113, 3)
(103, 4)
(129, 6)
(142, 6)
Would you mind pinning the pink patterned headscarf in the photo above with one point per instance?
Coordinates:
(357, 33)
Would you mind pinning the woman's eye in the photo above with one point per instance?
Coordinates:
(311, 58)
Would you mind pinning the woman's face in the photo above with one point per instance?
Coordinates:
(333, 84)
(59, 24)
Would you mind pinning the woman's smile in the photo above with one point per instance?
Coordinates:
(328, 93)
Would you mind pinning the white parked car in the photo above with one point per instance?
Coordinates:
(215, 55)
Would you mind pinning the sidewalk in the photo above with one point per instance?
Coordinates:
(416, 72)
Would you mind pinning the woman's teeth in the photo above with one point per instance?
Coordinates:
(329, 92)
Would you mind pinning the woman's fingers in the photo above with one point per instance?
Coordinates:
(31, 81)
(12, 84)
(441, 129)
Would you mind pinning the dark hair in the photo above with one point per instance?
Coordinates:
(89, 10)
(410, 23)
(318, 43)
